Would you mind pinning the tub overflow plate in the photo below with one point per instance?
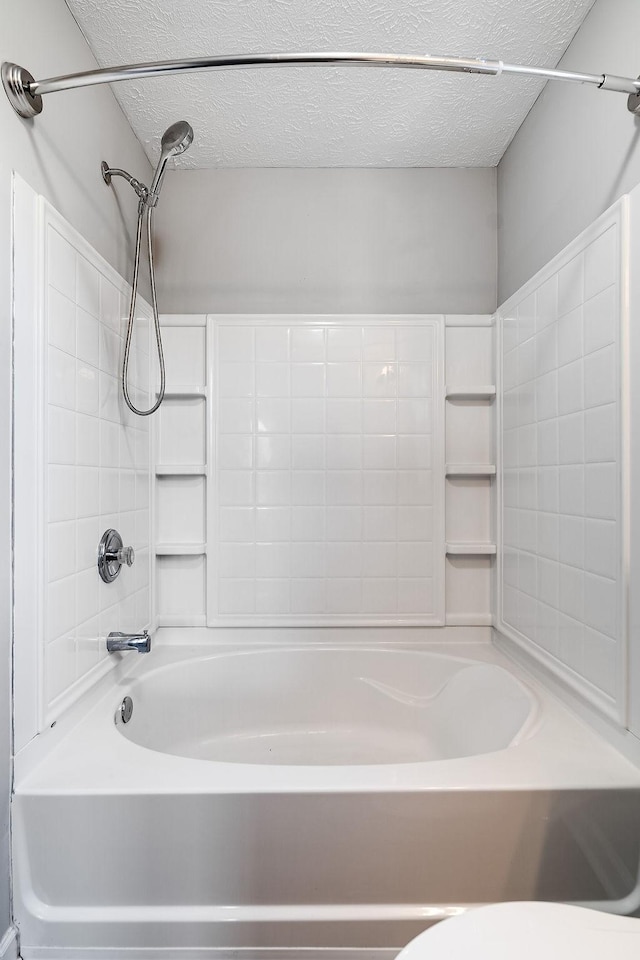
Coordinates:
(125, 710)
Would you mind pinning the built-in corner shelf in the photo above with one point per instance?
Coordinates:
(185, 393)
(182, 620)
(470, 470)
(181, 549)
(459, 549)
(470, 393)
(469, 620)
(181, 470)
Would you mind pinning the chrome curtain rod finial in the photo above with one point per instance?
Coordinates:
(633, 103)
(17, 83)
(25, 94)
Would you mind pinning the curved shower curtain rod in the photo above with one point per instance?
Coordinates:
(25, 93)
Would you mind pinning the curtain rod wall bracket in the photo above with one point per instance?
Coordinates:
(16, 81)
(633, 103)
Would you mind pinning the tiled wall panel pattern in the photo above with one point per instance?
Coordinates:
(562, 584)
(328, 489)
(97, 462)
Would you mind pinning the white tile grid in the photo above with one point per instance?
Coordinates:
(97, 456)
(327, 440)
(561, 432)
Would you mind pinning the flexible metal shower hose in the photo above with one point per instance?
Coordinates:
(142, 205)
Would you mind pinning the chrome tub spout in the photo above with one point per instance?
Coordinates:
(129, 641)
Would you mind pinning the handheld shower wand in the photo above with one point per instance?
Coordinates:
(175, 140)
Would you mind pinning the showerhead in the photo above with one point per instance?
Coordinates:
(175, 140)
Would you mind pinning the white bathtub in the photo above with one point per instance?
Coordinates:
(329, 706)
(310, 795)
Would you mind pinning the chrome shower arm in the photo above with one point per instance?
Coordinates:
(141, 190)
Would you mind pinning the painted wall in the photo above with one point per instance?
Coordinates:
(328, 241)
(59, 155)
(576, 153)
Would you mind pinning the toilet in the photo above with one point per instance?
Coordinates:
(528, 931)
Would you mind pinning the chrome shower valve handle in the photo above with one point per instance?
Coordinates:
(126, 555)
(113, 555)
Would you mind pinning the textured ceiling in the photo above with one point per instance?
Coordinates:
(331, 117)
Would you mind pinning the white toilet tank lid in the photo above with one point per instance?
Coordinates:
(528, 931)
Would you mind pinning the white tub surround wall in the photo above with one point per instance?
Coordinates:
(470, 392)
(634, 467)
(182, 458)
(60, 157)
(82, 463)
(563, 470)
(338, 514)
(300, 471)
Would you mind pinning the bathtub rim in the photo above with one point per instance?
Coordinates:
(66, 763)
